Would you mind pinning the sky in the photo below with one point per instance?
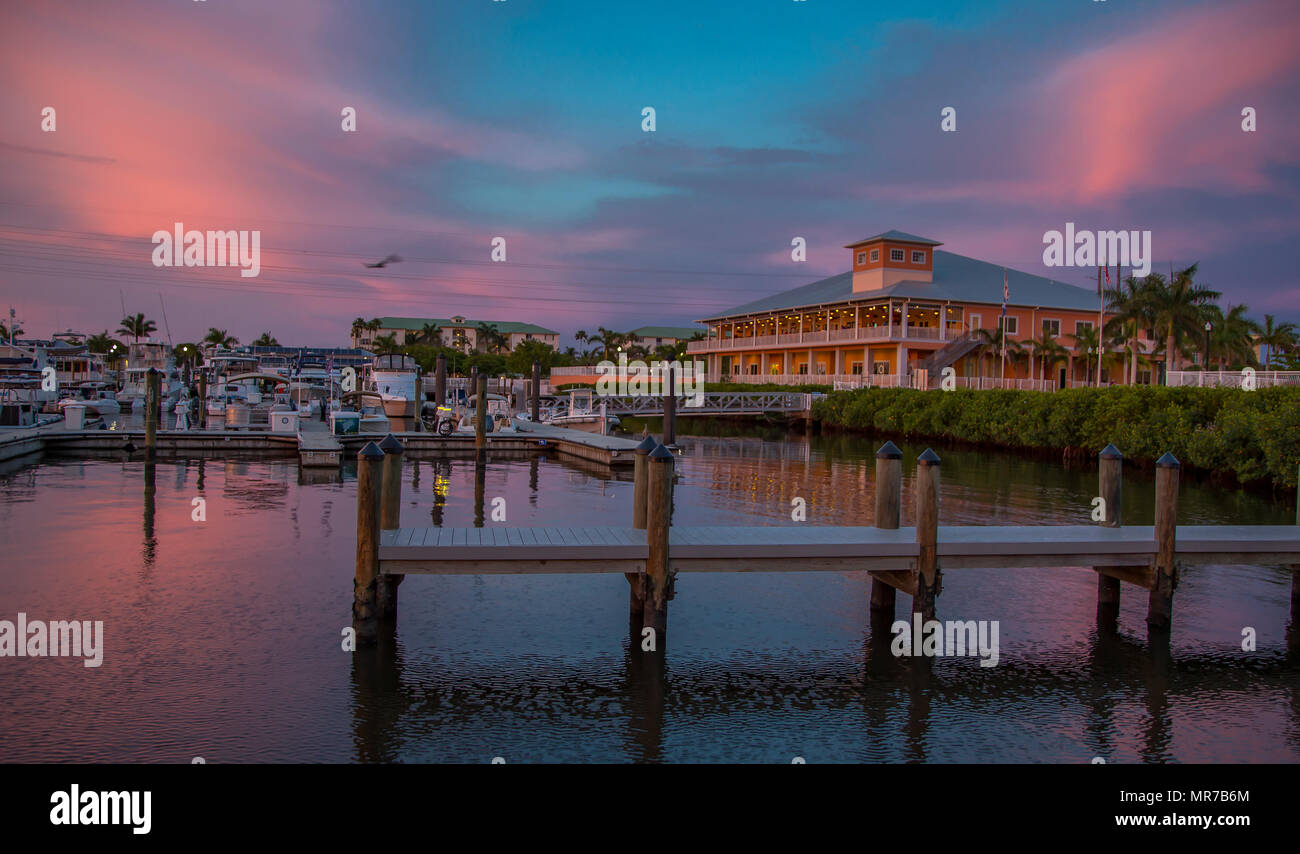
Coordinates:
(522, 119)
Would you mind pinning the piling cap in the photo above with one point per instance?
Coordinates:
(928, 458)
(1168, 461)
(889, 451)
(661, 454)
(390, 445)
(1110, 452)
(370, 452)
(647, 445)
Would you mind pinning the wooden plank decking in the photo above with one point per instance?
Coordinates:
(797, 547)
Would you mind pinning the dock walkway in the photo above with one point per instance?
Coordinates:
(780, 548)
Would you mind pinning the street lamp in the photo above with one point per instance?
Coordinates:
(1208, 327)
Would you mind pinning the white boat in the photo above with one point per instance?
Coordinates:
(584, 414)
(498, 413)
(95, 397)
(396, 378)
(142, 356)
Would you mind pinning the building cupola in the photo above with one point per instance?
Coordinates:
(892, 257)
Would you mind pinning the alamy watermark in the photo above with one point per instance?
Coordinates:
(933, 639)
(1098, 249)
(640, 379)
(181, 248)
(25, 638)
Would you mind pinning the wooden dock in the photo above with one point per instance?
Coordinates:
(317, 447)
(651, 551)
(795, 548)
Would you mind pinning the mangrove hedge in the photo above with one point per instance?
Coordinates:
(1251, 435)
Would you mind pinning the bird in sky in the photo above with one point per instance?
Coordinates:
(393, 259)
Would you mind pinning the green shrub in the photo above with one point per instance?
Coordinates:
(1249, 435)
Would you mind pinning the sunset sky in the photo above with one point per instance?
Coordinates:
(522, 119)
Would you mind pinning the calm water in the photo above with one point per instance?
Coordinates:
(223, 637)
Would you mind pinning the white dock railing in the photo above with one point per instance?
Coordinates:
(1231, 379)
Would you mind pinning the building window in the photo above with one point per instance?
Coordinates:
(753, 369)
(976, 322)
(856, 369)
(880, 368)
(875, 255)
(897, 255)
(1011, 325)
(862, 257)
(803, 368)
(1081, 326)
(1052, 326)
(918, 256)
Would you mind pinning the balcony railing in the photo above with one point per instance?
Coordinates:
(821, 336)
(913, 380)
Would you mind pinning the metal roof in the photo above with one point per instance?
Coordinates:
(680, 332)
(899, 236)
(956, 279)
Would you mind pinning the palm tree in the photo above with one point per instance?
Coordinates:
(359, 325)
(189, 353)
(220, 339)
(386, 343)
(1046, 348)
(580, 336)
(431, 334)
(266, 340)
(100, 342)
(1088, 342)
(490, 338)
(1277, 338)
(1129, 305)
(1232, 336)
(5, 331)
(1178, 309)
(137, 327)
(992, 341)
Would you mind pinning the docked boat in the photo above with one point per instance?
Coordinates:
(143, 356)
(584, 414)
(498, 413)
(96, 397)
(396, 378)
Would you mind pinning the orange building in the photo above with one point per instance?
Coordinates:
(903, 313)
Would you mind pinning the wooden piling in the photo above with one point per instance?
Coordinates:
(1295, 574)
(370, 461)
(926, 575)
(1160, 605)
(390, 512)
(536, 393)
(440, 381)
(659, 482)
(640, 491)
(203, 401)
(889, 501)
(1110, 478)
(670, 409)
(480, 417)
(152, 391)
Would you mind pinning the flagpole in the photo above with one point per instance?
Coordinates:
(1101, 322)
(1003, 330)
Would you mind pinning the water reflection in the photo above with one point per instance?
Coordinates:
(236, 655)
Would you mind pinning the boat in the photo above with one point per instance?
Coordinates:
(396, 378)
(143, 356)
(584, 414)
(498, 412)
(96, 397)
